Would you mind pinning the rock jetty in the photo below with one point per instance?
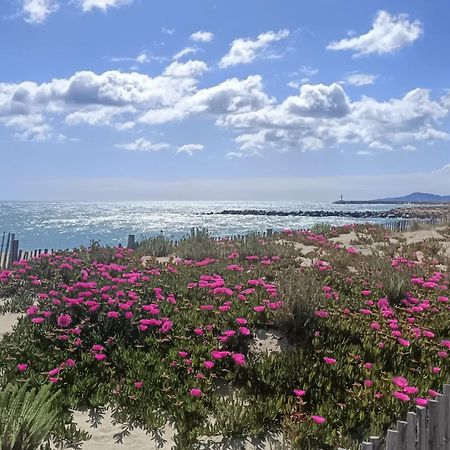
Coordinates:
(397, 213)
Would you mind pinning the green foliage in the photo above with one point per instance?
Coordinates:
(27, 416)
(157, 246)
(321, 228)
(198, 245)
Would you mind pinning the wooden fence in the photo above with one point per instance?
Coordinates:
(10, 252)
(426, 428)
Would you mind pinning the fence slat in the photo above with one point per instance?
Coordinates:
(376, 442)
(366, 446)
(401, 439)
(433, 425)
(391, 440)
(446, 401)
(422, 431)
(411, 431)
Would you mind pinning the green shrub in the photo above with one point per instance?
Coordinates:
(27, 416)
(157, 246)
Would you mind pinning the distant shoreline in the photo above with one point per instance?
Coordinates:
(389, 202)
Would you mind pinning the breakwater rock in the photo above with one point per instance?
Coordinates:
(398, 213)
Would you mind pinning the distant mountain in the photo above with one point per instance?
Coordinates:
(417, 197)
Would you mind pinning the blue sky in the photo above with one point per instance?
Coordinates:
(123, 99)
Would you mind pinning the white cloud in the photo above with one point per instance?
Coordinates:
(245, 51)
(360, 79)
(229, 97)
(186, 51)
(143, 145)
(388, 34)
(89, 5)
(189, 69)
(324, 117)
(364, 153)
(409, 148)
(190, 149)
(202, 36)
(168, 31)
(37, 11)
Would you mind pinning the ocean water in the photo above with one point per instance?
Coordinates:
(71, 224)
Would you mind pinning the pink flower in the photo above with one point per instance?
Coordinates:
(195, 392)
(182, 354)
(208, 364)
(97, 348)
(401, 396)
(241, 321)
(70, 362)
(432, 393)
(410, 390)
(368, 383)
(400, 381)
(112, 315)
(421, 401)
(198, 331)
(244, 331)
(100, 356)
(259, 308)
(330, 361)
(37, 320)
(299, 392)
(22, 367)
(64, 320)
(138, 384)
(54, 372)
(404, 342)
(318, 419)
(239, 359)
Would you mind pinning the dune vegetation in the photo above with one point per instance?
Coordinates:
(323, 337)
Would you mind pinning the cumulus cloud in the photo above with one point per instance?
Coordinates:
(189, 69)
(143, 145)
(202, 36)
(324, 117)
(388, 34)
(245, 51)
(360, 79)
(111, 98)
(318, 116)
(229, 97)
(184, 52)
(190, 149)
(37, 11)
(89, 5)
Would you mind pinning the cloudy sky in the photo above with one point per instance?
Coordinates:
(204, 99)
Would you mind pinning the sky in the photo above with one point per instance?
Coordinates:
(223, 100)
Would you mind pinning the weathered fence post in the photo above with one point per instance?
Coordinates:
(376, 442)
(131, 241)
(411, 431)
(15, 250)
(401, 439)
(421, 414)
(269, 232)
(446, 401)
(391, 440)
(433, 424)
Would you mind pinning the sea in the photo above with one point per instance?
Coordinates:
(60, 225)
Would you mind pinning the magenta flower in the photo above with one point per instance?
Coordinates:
(138, 384)
(195, 392)
(318, 419)
(239, 359)
(401, 396)
(299, 392)
(64, 320)
(112, 315)
(208, 364)
(244, 331)
(368, 383)
(70, 362)
(100, 356)
(400, 381)
(330, 361)
(97, 348)
(37, 320)
(22, 367)
(421, 401)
